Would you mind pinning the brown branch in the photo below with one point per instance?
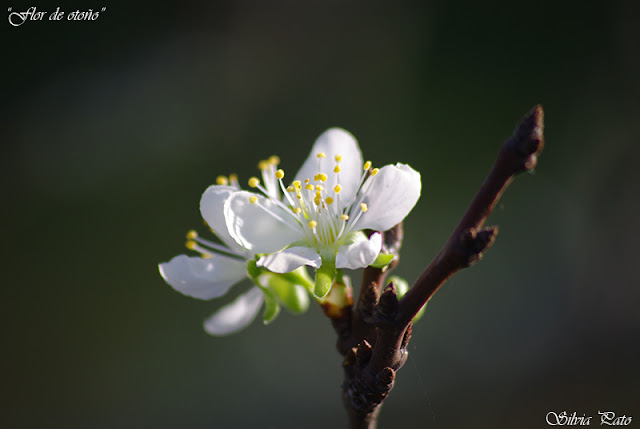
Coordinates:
(373, 337)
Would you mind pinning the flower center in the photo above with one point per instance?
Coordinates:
(323, 215)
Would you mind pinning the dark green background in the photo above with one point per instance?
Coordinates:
(112, 129)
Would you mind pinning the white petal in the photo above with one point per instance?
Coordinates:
(290, 259)
(236, 315)
(390, 197)
(335, 141)
(359, 254)
(203, 278)
(212, 210)
(263, 227)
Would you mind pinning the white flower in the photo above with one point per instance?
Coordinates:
(219, 267)
(318, 219)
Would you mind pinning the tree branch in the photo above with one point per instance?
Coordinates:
(373, 337)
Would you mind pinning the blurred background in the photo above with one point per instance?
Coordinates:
(113, 128)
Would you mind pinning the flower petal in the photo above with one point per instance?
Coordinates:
(335, 141)
(359, 254)
(261, 227)
(390, 197)
(212, 211)
(203, 278)
(290, 259)
(236, 315)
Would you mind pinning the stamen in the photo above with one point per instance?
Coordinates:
(364, 207)
(321, 155)
(190, 244)
(254, 182)
(253, 199)
(337, 189)
(309, 187)
(313, 224)
(221, 180)
(329, 200)
(297, 184)
(192, 235)
(279, 174)
(344, 217)
(274, 159)
(296, 210)
(337, 169)
(264, 165)
(321, 177)
(367, 165)
(306, 180)
(319, 188)
(290, 188)
(338, 158)
(374, 171)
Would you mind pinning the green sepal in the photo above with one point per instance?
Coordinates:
(271, 306)
(324, 277)
(402, 286)
(291, 295)
(382, 260)
(253, 271)
(300, 276)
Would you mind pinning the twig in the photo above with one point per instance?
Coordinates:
(373, 338)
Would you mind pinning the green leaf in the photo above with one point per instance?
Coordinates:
(292, 295)
(382, 260)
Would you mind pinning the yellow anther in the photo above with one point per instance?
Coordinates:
(296, 210)
(221, 180)
(313, 224)
(299, 196)
(337, 169)
(321, 155)
(254, 182)
(290, 188)
(337, 189)
(192, 235)
(279, 174)
(233, 177)
(319, 188)
(364, 207)
(367, 165)
(264, 165)
(206, 256)
(274, 159)
(329, 200)
(253, 199)
(338, 158)
(190, 244)
(344, 217)
(309, 187)
(306, 180)
(374, 171)
(297, 184)
(317, 200)
(321, 177)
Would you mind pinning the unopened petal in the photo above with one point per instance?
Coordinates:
(335, 142)
(390, 196)
(359, 254)
(260, 226)
(290, 259)
(203, 278)
(236, 315)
